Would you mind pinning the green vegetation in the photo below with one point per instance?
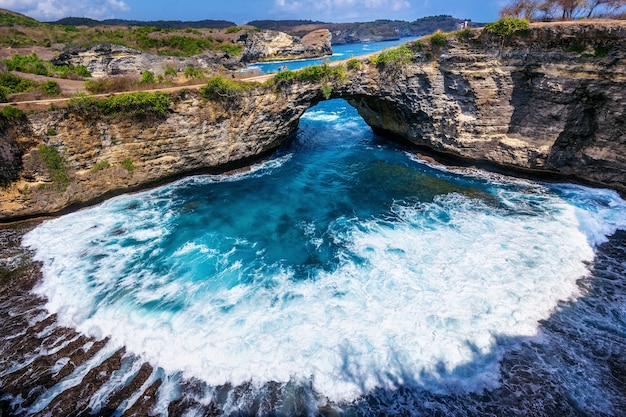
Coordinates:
(147, 77)
(11, 113)
(326, 74)
(13, 19)
(128, 164)
(19, 31)
(463, 34)
(223, 89)
(438, 39)
(4, 94)
(99, 166)
(192, 72)
(15, 84)
(353, 64)
(233, 29)
(170, 72)
(314, 74)
(51, 88)
(138, 105)
(34, 65)
(393, 57)
(55, 164)
(507, 27)
(327, 90)
(51, 132)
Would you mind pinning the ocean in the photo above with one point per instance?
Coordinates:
(345, 275)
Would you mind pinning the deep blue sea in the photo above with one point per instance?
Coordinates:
(340, 52)
(353, 275)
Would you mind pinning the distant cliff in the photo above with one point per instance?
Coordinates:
(272, 45)
(377, 30)
(110, 59)
(551, 100)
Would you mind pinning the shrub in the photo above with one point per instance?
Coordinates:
(147, 77)
(193, 72)
(170, 72)
(394, 57)
(55, 165)
(463, 34)
(438, 39)
(51, 132)
(327, 90)
(35, 65)
(4, 94)
(353, 64)
(220, 88)
(16, 84)
(128, 164)
(137, 105)
(10, 113)
(232, 29)
(51, 88)
(507, 26)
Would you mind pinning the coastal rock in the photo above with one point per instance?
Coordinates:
(111, 59)
(104, 155)
(272, 45)
(551, 101)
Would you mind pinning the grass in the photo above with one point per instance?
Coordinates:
(223, 89)
(353, 64)
(11, 113)
(99, 166)
(33, 64)
(326, 74)
(138, 105)
(55, 165)
(393, 57)
(127, 163)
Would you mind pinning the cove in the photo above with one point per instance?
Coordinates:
(343, 274)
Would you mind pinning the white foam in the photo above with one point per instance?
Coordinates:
(419, 299)
(321, 116)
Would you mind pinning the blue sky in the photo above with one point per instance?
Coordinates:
(242, 11)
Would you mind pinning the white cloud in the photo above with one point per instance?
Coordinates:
(335, 8)
(47, 10)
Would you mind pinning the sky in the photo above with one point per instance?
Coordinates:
(242, 11)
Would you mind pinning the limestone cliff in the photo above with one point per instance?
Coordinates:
(105, 154)
(273, 45)
(550, 100)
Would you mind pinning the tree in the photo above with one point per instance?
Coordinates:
(147, 77)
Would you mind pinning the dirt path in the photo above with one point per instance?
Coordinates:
(77, 86)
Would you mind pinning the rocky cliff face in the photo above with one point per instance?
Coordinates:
(103, 154)
(552, 100)
(273, 45)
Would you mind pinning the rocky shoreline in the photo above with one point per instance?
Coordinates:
(37, 354)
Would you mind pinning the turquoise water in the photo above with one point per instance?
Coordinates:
(340, 52)
(343, 265)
